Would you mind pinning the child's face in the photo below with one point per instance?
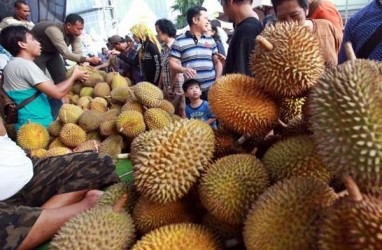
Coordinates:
(193, 91)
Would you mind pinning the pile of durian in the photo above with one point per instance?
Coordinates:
(295, 165)
(105, 114)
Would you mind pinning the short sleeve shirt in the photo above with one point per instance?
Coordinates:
(202, 113)
(20, 79)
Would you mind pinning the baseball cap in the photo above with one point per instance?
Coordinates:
(115, 39)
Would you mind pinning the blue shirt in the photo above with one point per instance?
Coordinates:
(360, 28)
(202, 113)
(196, 54)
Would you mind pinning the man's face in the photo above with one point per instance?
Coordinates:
(160, 35)
(75, 29)
(31, 45)
(120, 46)
(290, 10)
(23, 12)
(202, 21)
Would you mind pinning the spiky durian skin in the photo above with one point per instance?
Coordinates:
(284, 217)
(231, 185)
(139, 142)
(90, 120)
(112, 146)
(178, 237)
(72, 135)
(224, 143)
(102, 89)
(170, 163)
(284, 71)
(115, 192)
(88, 145)
(32, 136)
(98, 228)
(131, 123)
(148, 94)
(148, 215)
(291, 109)
(241, 106)
(69, 113)
(55, 128)
(351, 225)
(56, 151)
(38, 153)
(295, 156)
(132, 105)
(167, 106)
(222, 230)
(156, 118)
(121, 94)
(346, 118)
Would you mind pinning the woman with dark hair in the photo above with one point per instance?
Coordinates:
(213, 32)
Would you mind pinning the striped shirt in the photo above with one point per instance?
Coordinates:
(165, 57)
(196, 54)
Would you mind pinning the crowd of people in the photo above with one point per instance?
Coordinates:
(185, 67)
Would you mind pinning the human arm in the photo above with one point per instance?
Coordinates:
(3, 131)
(59, 90)
(125, 58)
(155, 54)
(103, 65)
(176, 68)
(218, 66)
(348, 37)
(56, 36)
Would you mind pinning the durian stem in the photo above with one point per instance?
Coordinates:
(126, 174)
(242, 140)
(95, 145)
(120, 204)
(123, 156)
(264, 43)
(352, 188)
(284, 125)
(349, 51)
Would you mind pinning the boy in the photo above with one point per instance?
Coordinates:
(197, 108)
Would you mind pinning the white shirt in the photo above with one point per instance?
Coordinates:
(16, 169)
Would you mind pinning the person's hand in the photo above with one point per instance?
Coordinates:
(222, 58)
(94, 60)
(115, 52)
(189, 73)
(80, 75)
(182, 112)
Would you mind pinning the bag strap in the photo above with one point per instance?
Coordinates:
(26, 101)
(370, 44)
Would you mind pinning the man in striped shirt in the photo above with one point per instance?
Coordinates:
(194, 53)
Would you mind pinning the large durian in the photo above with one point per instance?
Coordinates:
(69, 113)
(90, 120)
(107, 228)
(72, 135)
(295, 156)
(285, 216)
(32, 136)
(178, 237)
(346, 118)
(55, 128)
(353, 222)
(112, 146)
(231, 185)
(57, 151)
(242, 106)
(148, 94)
(102, 89)
(169, 164)
(131, 123)
(156, 118)
(292, 63)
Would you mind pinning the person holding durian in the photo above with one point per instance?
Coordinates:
(327, 35)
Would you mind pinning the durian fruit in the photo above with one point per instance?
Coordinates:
(293, 62)
(94, 78)
(102, 89)
(57, 151)
(84, 102)
(72, 135)
(56, 143)
(108, 228)
(170, 163)
(103, 74)
(108, 127)
(222, 230)
(295, 156)
(55, 128)
(224, 143)
(32, 136)
(115, 192)
(73, 98)
(291, 109)
(89, 145)
(178, 237)
(94, 135)
(353, 222)
(110, 114)
(131, 123)
(38, 153)
(346, 118)
(112, 146)
(148, 94)
(87, 91)
(167, 106)
(77, 88)
(139, 143)
(119, 81)
(231, 185)
(156, 118)
(133, 105)
(69, 113)
(110, 76)
(98, 104)
(298, 201)
(176, 118)
(122, 94)
(241, 105)
(90, 120)
(148, 215)
(115, 106)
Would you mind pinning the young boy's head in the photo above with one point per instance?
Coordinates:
(191, 89)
